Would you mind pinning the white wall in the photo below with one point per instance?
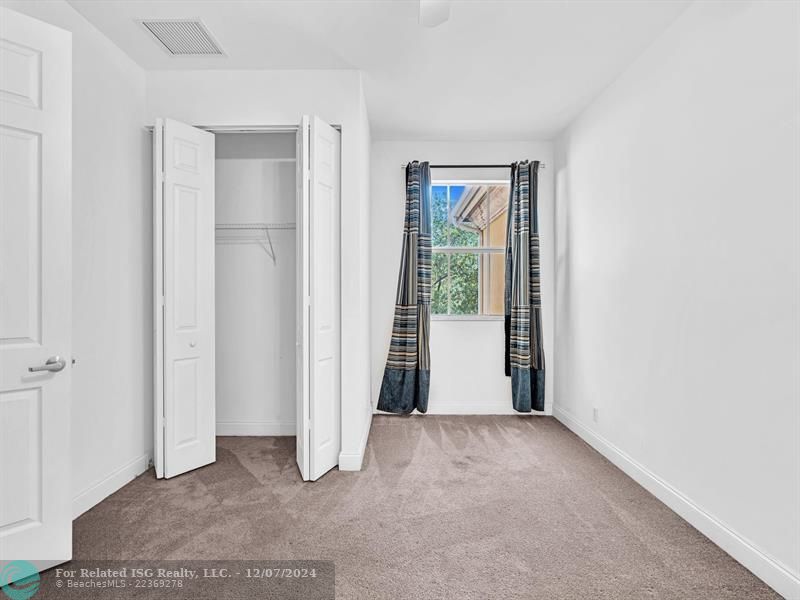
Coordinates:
(466, 356)
(360, 419)
(280, 98)
(677, 269)
(256, 296)
(111, 239)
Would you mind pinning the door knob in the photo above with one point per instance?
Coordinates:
(53, 364)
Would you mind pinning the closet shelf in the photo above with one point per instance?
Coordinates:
(250, 233)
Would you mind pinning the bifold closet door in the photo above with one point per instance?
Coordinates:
(318, 281)
(184, 283)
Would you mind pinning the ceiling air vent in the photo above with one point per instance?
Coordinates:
(183, 38)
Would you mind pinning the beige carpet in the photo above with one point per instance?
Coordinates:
(446, 507)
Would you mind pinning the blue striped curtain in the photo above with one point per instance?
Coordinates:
(406, 377)
(523, 297)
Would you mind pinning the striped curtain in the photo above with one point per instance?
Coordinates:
(406, 377)
(523, 297)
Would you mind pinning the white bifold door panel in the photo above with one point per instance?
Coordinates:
(184, 284)
(35, 293)
(318, 281)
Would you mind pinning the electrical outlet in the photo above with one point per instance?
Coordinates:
(595, 414)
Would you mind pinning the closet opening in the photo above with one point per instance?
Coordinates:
(255, 198)
(247, 311)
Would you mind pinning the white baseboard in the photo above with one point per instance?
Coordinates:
(104, 488)
(352, 462)
(489, 408)
(256, 428)
(771, 571)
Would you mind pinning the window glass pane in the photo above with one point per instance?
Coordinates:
(493, 283)
(478, 213)
(464, 284)
(462, 233)
(440, 284)
(468, 215)
(471, 284)
(439, 215)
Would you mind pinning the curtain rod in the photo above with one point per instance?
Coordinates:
(541, 166)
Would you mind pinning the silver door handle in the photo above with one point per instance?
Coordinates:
(53, 364)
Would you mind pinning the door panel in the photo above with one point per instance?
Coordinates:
(158, 298)
(186, 376)
(186, 208)
(21, 209)
(302, 364)
(21, 68)
(187, 413)
(324, 315)
(318, 337)
(20, 437)
(325, 295)
(35, 290)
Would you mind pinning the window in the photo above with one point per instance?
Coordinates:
(468, 232)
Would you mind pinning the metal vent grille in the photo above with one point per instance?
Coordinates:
(183, 38)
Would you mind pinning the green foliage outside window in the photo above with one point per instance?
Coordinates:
(445, 233)
(440, 284)
(455, 276)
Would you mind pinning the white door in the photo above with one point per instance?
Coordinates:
(184, 284)
(35, 291)
(319, 343)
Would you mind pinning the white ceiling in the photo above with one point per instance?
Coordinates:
(496, 70)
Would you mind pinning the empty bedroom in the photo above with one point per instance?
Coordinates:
(400, 299)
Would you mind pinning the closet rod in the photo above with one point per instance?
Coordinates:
(541, 166)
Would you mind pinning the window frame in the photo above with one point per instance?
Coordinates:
(476, 250)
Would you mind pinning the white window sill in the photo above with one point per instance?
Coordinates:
(466, 318)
